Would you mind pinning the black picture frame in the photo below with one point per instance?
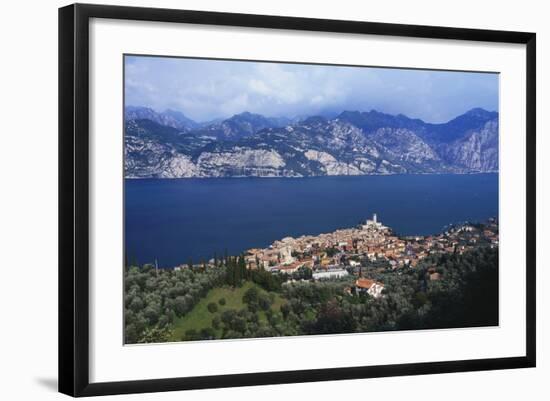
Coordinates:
(74, 198)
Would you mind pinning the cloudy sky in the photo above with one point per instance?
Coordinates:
(207, 89)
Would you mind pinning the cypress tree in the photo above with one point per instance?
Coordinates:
(242, 267)
(236, 275)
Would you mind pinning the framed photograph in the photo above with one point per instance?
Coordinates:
(250, 199)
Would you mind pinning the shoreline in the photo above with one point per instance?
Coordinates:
(309, 176)
(360, 229)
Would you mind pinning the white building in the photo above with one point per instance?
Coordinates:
(371, 287)
(373, 224)
(329, 274)
(285, 253)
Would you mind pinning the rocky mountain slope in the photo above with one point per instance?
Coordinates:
(353, 143)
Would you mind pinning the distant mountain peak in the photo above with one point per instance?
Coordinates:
(169, 118)
(314, 120)
(138, 109)
(477, 110)
(247, 114)
(480, 113)
(376, 112)
(350, 113)
(174, 113)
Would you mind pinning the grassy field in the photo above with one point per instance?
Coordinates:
(200, 318)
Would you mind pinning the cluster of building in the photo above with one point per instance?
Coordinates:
(344, 252)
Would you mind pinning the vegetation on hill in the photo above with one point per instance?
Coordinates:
(205, 321)
(229, 301)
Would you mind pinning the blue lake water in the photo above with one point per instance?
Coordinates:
(173, 220)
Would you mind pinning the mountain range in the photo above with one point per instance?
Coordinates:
(170, 145)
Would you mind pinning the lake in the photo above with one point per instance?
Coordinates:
(173, 220)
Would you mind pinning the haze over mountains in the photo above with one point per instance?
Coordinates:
(170, 145)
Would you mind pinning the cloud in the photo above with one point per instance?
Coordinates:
(207, 89)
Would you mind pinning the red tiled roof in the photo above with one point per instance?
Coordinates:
(364, 283)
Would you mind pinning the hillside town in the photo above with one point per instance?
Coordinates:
(347, 251)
